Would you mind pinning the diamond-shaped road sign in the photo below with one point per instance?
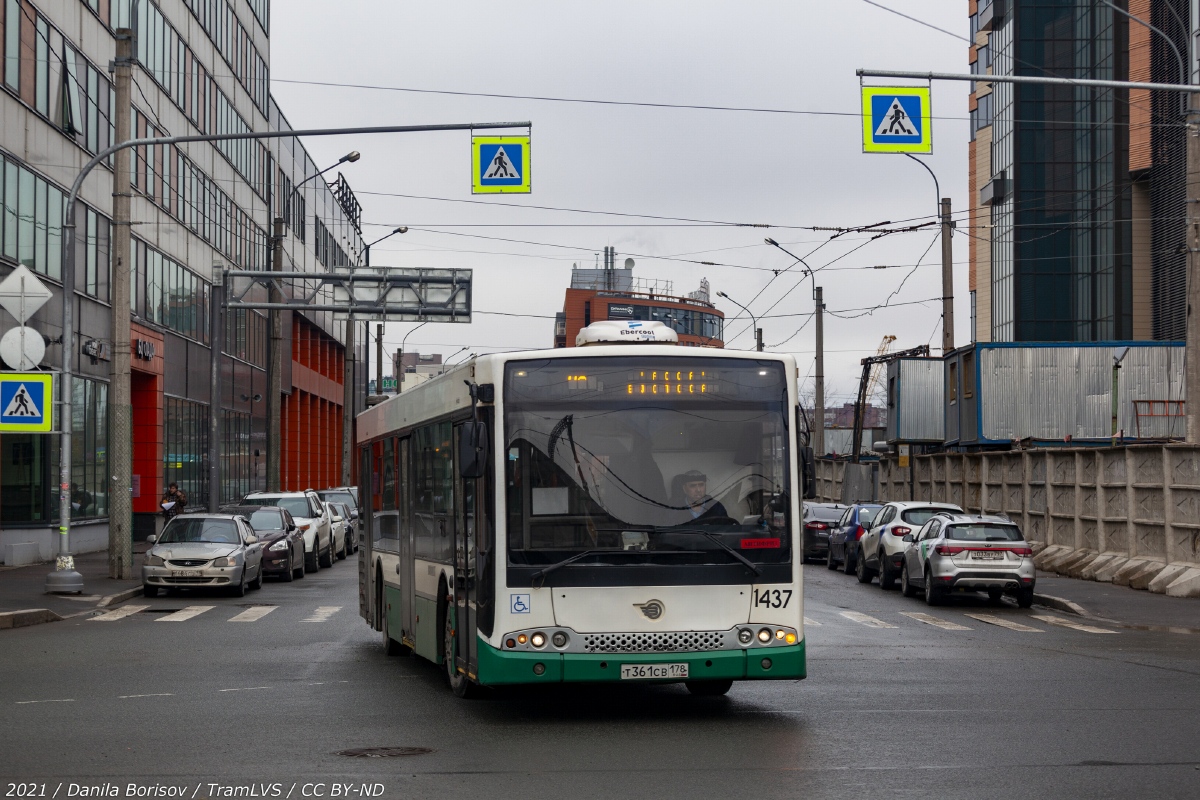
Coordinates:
(22, 294)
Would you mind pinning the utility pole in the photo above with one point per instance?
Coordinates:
(216, 339)
(818, 438)
(120, 406)
(275, 367)
(1192, 349)
(348, 406)
(947, 280)
(379, 358)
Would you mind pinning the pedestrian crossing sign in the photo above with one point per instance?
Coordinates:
(896, 119)
(500, 165)
(26, 402)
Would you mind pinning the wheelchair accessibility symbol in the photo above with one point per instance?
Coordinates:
(520, 603)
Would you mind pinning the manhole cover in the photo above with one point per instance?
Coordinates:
(384, 752)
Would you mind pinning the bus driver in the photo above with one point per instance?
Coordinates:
(695, 494)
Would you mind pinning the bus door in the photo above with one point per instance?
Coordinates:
(407, 541)
(465, 591)
(366, 562)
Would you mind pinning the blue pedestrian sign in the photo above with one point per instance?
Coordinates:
(896, 119)
(500, 165)
(26, 402)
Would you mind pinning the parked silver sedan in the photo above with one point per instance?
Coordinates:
(203, 550)
(968, 552)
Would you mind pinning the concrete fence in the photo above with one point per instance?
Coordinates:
(1129, 515)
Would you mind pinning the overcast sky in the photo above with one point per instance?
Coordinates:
(791, 170)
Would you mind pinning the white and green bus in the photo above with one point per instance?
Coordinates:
(628, 511)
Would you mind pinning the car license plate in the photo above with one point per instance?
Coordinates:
(640, 672)
(987, 555)
(185, 573)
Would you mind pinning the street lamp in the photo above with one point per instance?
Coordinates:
(275, 366)
(817, 436)
(446, 363)
(757, 330)
(367, 248)
(400, 377)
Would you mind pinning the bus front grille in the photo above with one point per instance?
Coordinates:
(668, 642)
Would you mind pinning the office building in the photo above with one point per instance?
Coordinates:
(197, 210)
(1076, 226)
(611, 292)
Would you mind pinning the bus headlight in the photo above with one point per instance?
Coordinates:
(745, 636)
(764, 635)
(559, 638)
(538, 639)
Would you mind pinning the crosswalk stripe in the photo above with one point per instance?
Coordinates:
(253, 614)
(1005, 623)
(928, 619)
(808, 621)
(869, 621)
(322, 613)
(118, 613)
(184, 614)
(1066, 623)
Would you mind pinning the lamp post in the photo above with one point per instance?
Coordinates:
(367, 248)
(818, 432)
(757, 330)
(446, 363)
(400, 377)
(275, 356)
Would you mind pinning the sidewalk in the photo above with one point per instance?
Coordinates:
(23, 589)
(1119, 604)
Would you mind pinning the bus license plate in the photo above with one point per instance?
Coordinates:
(641, 672)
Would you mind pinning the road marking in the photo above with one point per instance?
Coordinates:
(132, 696)
(118, 613)
(808, 621)
(1066, 623)
(1005, 623)
(31, 702)
(244, 689)
(322, 613)
(863, 619)
(185, 614)
(928, 619)
(253, 614)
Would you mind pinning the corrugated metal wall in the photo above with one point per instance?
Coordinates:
(1053, 392)
(916, 400)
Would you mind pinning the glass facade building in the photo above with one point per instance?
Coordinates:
(1053, 187)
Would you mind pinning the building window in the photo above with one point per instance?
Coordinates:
(185, 452)
(31, 231)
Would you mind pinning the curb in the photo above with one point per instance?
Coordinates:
(26, 617)
(1059, 604)
(119, 597)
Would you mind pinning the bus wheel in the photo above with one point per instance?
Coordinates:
(709, 688)
(460, 684)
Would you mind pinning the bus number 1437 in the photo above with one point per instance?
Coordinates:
(772, 598)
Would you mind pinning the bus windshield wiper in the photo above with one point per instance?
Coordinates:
(539, 577)
(712, 537)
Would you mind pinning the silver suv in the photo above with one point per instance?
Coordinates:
(881, 548)
(968, 552)
(311, 517)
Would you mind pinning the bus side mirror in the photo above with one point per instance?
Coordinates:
(808, 473)
(473, 449)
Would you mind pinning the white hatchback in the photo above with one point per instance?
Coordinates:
(881, 550)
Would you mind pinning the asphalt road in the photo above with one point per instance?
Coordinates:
(895, 706)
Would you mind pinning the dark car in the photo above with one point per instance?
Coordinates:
(848, 530)
(281, 539)
(818, 519)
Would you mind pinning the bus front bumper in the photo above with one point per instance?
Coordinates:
(498, 667)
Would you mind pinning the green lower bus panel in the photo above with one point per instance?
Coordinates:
(428, 638)
(498, 667)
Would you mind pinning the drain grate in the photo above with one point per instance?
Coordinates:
(384, 752)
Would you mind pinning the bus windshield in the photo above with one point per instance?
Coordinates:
(676, 459)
